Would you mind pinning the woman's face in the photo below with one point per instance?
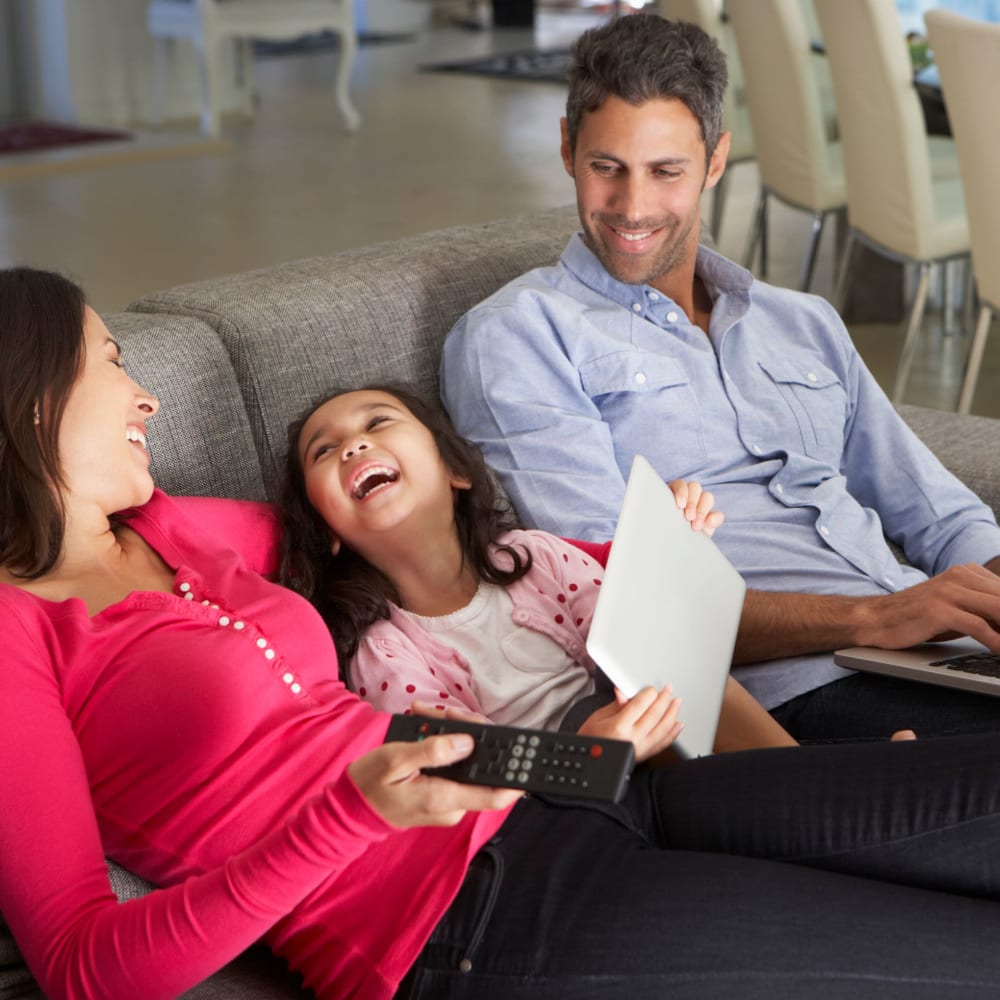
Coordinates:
(371, 466)
(102, 437)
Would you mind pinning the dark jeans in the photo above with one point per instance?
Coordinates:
(673, 894)
(871, 706)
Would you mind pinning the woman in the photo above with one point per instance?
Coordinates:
(165, 704)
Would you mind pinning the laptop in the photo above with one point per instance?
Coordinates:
(961, 663)
(668, 609)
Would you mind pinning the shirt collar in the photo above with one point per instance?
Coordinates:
(719, 274)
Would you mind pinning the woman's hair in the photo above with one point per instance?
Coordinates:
(349, 592)
(42, 349)
(644, 57)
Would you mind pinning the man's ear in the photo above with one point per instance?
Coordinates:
(565, 148)
(717, 161)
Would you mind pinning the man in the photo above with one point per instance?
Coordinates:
(641, 340)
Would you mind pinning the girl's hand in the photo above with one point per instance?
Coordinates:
(391, 778)
(648, 721)
(697, 505)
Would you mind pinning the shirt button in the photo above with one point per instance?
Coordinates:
(223, 621)
(296, 688)
(824, 531)
(287, 678)
(778, 488)
(189, 596)
(811, 376)
(640, 378)
(239, 626)
(636, 307)
(671, 317)
(756, 449)
(268, 654)
(654, 296)
(184, 587)
(262, 643)
(205, 602)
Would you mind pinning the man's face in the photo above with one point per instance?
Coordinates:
(639, 173)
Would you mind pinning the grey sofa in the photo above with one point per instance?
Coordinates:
(234, 359)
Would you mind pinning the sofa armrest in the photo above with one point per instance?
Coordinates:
(968, 446)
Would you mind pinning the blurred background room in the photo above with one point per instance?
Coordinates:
(285, 171)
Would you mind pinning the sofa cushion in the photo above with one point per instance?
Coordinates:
(967, 446)
(297, 330)
(200, 442)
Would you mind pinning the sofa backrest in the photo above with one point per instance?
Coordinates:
(295, 331)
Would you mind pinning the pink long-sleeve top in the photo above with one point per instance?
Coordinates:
(200, 738)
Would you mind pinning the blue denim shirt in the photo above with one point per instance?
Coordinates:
(565, 373)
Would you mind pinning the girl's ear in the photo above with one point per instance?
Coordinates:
(461, 483)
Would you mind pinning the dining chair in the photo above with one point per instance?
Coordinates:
(208, 24)
(708, 15)
(903, 200)
(799, 162)
(967, 54)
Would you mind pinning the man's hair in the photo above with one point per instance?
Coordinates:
(642, 57)
(42, 349)
(351, 594)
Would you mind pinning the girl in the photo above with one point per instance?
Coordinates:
(396, 531)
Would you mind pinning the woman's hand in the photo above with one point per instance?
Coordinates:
(648, 721)
(390, 777)
(697, 506)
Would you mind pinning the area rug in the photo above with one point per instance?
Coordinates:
(30, 137)
(138, 147)
(548, 67)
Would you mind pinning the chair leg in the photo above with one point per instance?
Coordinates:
(718, 204)
(975, 359)
(162, 54)
(756, 230)
(809, 261)
(345, 57)
(912, 332)
(844, 273)
(207, 50)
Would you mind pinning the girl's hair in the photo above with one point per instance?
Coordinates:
(349, 592)
(41, 344)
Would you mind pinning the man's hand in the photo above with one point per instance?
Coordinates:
(697, 505)
(391, 779)
(963, 600)
(648, 721)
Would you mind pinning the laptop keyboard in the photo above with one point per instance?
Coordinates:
(984, 664)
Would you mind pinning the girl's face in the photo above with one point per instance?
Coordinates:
(102, 436)
(371, 467)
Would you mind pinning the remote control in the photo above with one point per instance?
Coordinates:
(583, 767)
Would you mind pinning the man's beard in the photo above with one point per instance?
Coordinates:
(636, 269)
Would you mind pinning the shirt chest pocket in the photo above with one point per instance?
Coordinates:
(650, 406)
(812, 395)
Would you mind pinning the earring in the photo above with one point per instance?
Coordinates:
(38, 419)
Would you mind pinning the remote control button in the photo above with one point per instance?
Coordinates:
(509, 776)
(533, 741)
(596, 750)
(513, 764)
(522, 778)
(530, 753)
